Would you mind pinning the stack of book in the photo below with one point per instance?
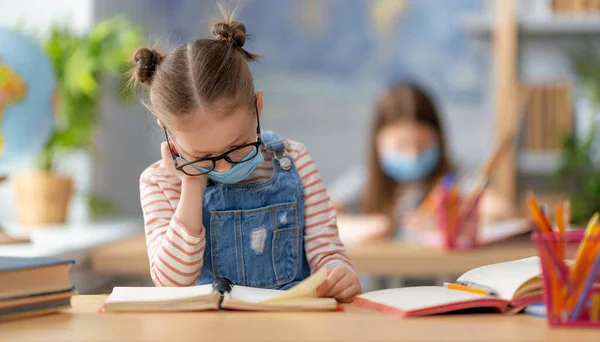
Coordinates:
(33, 286)
(549, 115)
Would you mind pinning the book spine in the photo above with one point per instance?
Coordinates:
(561, 117)
(567, 103)
(579, 6)
(536, 116)
(553, 117)
(547, 118)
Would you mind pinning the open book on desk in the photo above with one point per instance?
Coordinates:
(510, 287)
(301, 297)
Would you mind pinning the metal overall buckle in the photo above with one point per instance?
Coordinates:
(284, 159)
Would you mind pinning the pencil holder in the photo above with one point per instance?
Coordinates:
(570, 270)
(458, 221)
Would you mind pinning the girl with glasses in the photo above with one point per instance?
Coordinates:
(229, 200)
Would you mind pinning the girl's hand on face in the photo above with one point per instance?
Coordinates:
(341, 284)
(167, 162)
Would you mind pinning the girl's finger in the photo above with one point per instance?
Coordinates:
(340, 285)
(332, 278)
(323, 288)
(167, 159)
(349, 294)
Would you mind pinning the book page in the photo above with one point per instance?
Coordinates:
(304, 289)
(307, 288)
(252, 294)
(415, 298)
(156, 294)
(504, 278)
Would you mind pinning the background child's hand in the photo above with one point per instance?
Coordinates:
(341, 284)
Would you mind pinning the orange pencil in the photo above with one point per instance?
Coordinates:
(557, 306)
(580, 257)
(584, 253)
(558, 246)
(560, 225)
(539, 217)
(595, 309)
(453, 202)
(558, 273)
(431, 201)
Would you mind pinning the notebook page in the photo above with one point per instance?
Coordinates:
(156, 294)
(505, 278)
(305, 289)
(252, 294)
(420, 297)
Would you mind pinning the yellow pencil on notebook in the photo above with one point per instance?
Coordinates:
(459, 287)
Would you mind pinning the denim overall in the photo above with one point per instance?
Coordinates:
(254, 231)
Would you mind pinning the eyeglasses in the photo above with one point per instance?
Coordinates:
(205, 165)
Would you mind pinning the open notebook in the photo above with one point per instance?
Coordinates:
(303, 296)
(514, 284)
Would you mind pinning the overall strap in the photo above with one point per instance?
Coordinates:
(273, 143)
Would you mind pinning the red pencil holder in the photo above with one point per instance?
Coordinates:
(458, 222)
(568, 302)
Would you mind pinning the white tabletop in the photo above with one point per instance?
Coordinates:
(69, 240)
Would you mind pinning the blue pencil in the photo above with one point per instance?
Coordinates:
(586, 290)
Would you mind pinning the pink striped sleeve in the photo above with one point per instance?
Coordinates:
(175, 255)
(322, 244)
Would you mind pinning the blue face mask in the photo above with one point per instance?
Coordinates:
(238, 172)
(408, 169)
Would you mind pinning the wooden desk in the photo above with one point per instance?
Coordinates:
(397, 258)
(83, 323)
(386, 258)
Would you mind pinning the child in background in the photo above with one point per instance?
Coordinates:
(227, 199)
(407, 158)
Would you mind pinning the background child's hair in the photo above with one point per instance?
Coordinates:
(205, 73)
(402, 102)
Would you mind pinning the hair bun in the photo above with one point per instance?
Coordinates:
(233, 32)
(146, 63)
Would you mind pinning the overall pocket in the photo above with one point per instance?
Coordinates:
(258, 247)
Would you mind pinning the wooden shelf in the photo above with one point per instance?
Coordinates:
(556, 25)
(538, 162)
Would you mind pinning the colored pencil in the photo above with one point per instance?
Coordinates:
(583, 296)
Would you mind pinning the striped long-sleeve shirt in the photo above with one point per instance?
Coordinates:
(176, 255)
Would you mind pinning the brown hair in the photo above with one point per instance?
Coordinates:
(401, 102)
(200, 73)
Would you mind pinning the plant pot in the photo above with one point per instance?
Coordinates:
(42, 197)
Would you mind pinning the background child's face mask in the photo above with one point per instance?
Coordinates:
(403, 167)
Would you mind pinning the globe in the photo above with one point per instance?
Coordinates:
(27, 87)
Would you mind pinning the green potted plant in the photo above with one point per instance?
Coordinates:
(579, 172)
(82, 62)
